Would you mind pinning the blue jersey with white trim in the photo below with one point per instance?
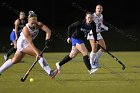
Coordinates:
(80, 30)
(21, 25)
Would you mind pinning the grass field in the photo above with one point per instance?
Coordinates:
(74, 77)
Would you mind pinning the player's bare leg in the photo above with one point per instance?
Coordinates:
(17, 57)
(99, 52)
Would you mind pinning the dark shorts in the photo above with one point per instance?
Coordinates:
(13, 36)
(76, 41)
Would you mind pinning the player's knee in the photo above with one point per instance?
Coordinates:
(94, 49)
(85, 53)
(73, 54)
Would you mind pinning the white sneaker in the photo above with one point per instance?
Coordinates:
(53, 73)
(58, 67)
(5, 57)
(95, 64)
(93, 70)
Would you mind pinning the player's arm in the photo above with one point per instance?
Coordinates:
(48, 33)
(16, 28)
(46, 29)
(29, 40)
(103, 27)
(72, 27)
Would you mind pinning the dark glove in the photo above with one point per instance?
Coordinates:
(47, 42)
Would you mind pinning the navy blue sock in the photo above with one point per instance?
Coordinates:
(65, 60)
(87, 62)
(11, 51)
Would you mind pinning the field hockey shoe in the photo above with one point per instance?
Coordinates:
(53, 73)
(93, 70)
(58, 67)
(5, 57)
(96, 64)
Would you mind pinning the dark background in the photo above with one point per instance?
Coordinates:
(58, 14)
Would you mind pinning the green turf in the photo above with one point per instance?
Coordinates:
(74, 77)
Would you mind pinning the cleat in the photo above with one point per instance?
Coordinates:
(5, 57)
(96, 64)
(53, 73)
(93, 70)
(58, 67)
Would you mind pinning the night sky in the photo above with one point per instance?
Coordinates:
(58, 14)
(61, 13)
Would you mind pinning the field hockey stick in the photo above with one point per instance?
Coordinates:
(123, 65)
(31, 67)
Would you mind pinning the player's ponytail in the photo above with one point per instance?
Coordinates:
(31, 12)
(32, 15)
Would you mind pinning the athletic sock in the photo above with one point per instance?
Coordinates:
(87, 62)
(11, 51)
(6, 65)
(98, 54)
(43, 63)
(92, 56)
(65, 60)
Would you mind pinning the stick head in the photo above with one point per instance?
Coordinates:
(123, 68)
(22, 79)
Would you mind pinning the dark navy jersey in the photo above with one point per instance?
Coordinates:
(21, 24)
(80, 30)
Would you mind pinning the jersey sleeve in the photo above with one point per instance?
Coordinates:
(72, 27)
(102, 25)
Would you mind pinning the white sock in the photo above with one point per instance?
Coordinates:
(6, 65)
(92, 56)
(43, 63)
(98, 55)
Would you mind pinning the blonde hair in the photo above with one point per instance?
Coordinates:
(89, 13)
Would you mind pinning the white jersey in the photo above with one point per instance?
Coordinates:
(98, 20)
(99, 24)
(33, 33)
(22, 42)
